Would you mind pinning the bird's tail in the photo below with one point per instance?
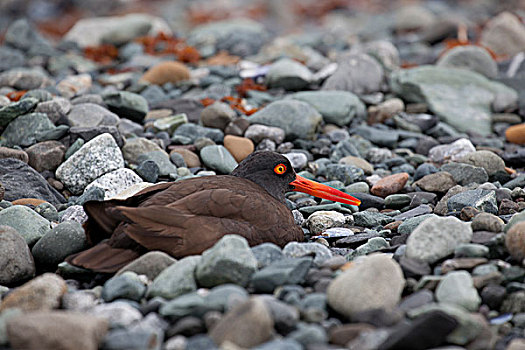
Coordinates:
(103, 258)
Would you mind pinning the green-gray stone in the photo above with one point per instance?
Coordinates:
(171, 123)
(457, 288)
(162, 159)
(125, 286)
(281, 272)
(52, 134)
(372, 245)
(191, 304)
(483, 200)
(127, 105)
(288, 74)
(29, 224)
(218, 158)
(175, 280)
(74, 147)
(230, 260)
(460, 97)
(332, 206)
(336, 107)
(24, 129)
(345, 173)
(471, 250)
(397, 200)
(371, 219)
(298, 119)
(15, 109)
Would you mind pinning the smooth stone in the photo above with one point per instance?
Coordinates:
(225, 297)
(16, 262)
(373, 244)
(267, 253)
(454, 151)
(56, 330)
(320, 221)
(437, 182)
(88, 133)
(230, 260)
(471, 250)
(25, 129)
(480, 199)
(371, 219)
(385, 110)
(423, 170)
(288, 74)
(436, 237)
(397, 201)
(175, 280)
(124, 286)
(11, 58)
(6, 152)
(465, 174)
(309, 335)
(217, 115)
(375, 281)
(218, 158)
(457, 288)
(389, 185)
(474, 58)
(280, 344)
(127, 105)
(380, 137)
(514, 133)
(166, 72)
(26, 222)
(119, 314)
(41, 293)
(360, 163)
(15, 109)
(90, 114)
(345, 173)
(128, 128)
(148, 170)
(285, 317)
(47, 155)
(298, 119)
(239, 147)
(97, 157)
(25, 78)
(259, 132)
(504, 34)
(281, 272)
(299, 249)
(491, 162)
(61, 241)
(150, 264)
(193, 132)
(55, 109)
(514, 241)
(115, 182)
(133, 339)
(137, 146)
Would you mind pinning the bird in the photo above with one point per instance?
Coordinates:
(187, 217)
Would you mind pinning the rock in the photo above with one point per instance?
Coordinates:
(115, 182)
(175, 280)
(6, 152)
(26, 222)
(389, 185)
(342, 334)
(471, 250)
(74, 213)
(90, 114)
(40, 294)
(11, 58)
(487, 222)
(345, 173)
(257, 133)
(47, 155)
(99, 156)
(371, 219)
(127, 105)
(218, 158)
(336, 107)
(385, 110)
(373, 244)
(483, 200)
(358, 162)
(135, 338)
(357, 73)
(514, 133)
(374, 282)
(239, 147)
(191, 159)
(515, 241)
(150, 264)
(74, 85)
(281, 272)
(124, 286)
(438, 182)
(297, 249)
(25, 129)
(136, 146)
(282, 344)
(487, 160)
(16, 262)
(166, 72)
(119, 314)
(230, 260)
(55, 109)
(15, 109)
(56, 330)
(298, 119)
(380, 137)
(474, 58)
(461, 97)
(321, 221)
(309, 334)
(465, 174)
(457, 288)
(504, 35)
(436, 237)
(61, 241)
(246, 325)
(288, 74)
(25, 78)
(217, 115)
(22, 35)
(191, 132)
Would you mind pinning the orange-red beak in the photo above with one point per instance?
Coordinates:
(322, 191)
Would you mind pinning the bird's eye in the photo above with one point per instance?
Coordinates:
(280, 169)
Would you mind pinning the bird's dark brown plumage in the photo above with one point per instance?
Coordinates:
(187, 217)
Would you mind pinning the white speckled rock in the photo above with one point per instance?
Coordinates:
(115, 182)
(97, 157)
(74, 213)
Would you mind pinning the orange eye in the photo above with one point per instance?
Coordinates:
(280, 169)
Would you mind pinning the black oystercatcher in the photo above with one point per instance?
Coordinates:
(187, 217)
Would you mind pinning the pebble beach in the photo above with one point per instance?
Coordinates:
(417, 108)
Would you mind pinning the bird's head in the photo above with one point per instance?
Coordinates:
(275, 173)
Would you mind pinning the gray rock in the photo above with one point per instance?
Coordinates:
(124, 286)
(117, 313)
(22, 181)
(22, 35)
(345, 173)
(25, 129)
(88, 133)
(11, 58)
(461, 97)
(457, 288)
(285, 317)
(127, 105)
(397, 201)
(26, 222)
(266, 253)
(217, 115)
(64, 239)
(503, 34)
(380, 137)
(225, 297)
(318, 251)
(309, 334)
(47, 211)
(336, 107)
(357, 73)
(374, 282)
(134, 339)
(474, 58)
(410, 224)
(193, 132)
(371, 219)
(25, 78)
(90, 114)
(257, 133)
(150, 264)
(487, 222)
(373, 244)
(16, 262)
(99, 156)
(483, 200)
(115, 182)
(15, 109)
(280, 344)
(190, 304)
(282, 272)
(175, 280)
(230, 260)
(487, 160)
(136, 146)
(465, 174)
(55, 109)
(298, 119)
(218, 158)
(471, 250)
(437, 237)
(288, 74)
